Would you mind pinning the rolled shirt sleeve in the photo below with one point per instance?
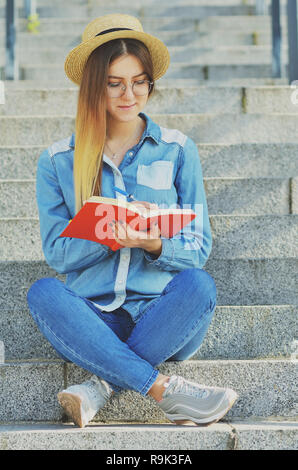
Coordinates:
(191, 247)
(63, 254)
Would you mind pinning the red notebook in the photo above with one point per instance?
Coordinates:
(92, 221)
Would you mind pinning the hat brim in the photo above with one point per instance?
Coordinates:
(77, 58)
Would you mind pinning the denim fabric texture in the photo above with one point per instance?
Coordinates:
(163, 168)
(114, 347)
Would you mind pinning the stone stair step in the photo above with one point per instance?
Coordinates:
(195, 99)
(182, 83)
(120, 437)
(230, 196)
(179, 70)
(218, 160)
(236, 332)
(69, 25)
(233, 55)
(257, 434)
(253, 256)
(232, 128)
(224, 24)
(138, 3)
(80, 11)
(254, 282)
(258, 270)
(169, 3)
(116, 3)
(170, 38)
(255, 196)
(205, 128)
(238, 281)
(30, 387)
(248, 160)
(234, 237)
(248, 23)
(20, 3)
(159, 10)
(220, 55)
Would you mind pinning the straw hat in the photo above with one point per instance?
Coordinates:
(109, 27)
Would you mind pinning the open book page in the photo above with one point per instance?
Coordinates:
(93, 221)
(142, 211)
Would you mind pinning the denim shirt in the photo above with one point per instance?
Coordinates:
(163, 168)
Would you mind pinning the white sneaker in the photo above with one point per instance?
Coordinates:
(82, 402)
(186, 400)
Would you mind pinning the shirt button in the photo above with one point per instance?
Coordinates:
(130, 154)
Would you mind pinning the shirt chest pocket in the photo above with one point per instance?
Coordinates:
(157, 175)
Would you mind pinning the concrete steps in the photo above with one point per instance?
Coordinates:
(244, 123)
(146, 10)
(234, 237)
(233, 55)
(243, 196)
(253, 281)
(140, 3)
(224, 24)
(237, 435)
(221, 72)
(206, 128)
(163, 83)
(222, 160)
(236, 332)
(29, 389)
(153, 3)
(170, 38)
(193, 99)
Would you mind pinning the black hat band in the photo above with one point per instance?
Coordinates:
(112, 30)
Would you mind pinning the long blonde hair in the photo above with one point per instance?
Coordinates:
(90, 125)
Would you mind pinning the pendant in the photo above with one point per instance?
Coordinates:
(114, 156)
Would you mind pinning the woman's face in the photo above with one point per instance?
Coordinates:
(126, 68)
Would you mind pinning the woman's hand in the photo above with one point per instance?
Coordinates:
(147, 206)
(149, 240)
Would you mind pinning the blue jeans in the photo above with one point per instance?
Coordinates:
(110, 344)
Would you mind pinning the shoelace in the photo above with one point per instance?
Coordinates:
(92, 388)
(179, 384)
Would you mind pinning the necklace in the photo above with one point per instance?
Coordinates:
(116, 155)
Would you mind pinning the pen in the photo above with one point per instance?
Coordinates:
(121, 191)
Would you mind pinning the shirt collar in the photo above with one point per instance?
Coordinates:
(151, 130)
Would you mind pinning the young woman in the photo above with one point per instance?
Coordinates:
(120, 314)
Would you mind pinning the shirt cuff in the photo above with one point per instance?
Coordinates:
(166, 256)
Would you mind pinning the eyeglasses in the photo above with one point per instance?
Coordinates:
(139, 88)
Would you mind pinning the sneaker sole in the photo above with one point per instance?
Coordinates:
(72, 406)
(180, 419)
